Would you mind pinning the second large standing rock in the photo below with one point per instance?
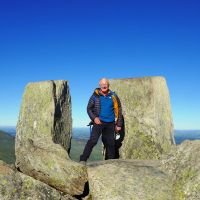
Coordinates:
(148, 118)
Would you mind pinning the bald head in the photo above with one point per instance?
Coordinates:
(104, 81)
(104, 85)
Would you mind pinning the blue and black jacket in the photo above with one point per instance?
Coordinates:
(94, 107)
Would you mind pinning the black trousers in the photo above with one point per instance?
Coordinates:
(107, 129)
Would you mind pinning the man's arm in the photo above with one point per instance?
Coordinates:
(90, 108)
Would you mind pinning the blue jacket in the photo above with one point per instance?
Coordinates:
(93, 107)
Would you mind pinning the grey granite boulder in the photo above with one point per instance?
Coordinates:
(128, 179)
(183, 165)
(148, 118)
(17, 186)
(43, 137)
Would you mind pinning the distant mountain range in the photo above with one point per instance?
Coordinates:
(80, 136)
(84, 133)
(79, 139)
(78, 133)
(7, 147)
(9, 129)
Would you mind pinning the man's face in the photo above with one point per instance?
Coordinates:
(104, 86)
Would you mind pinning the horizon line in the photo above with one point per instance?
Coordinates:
(179, 129)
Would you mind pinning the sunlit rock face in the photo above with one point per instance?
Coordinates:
(15, 185)
(147, 115)
(183, 165)
(43, 137)
(128, 179)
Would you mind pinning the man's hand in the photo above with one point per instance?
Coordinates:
(117, 129)
(97, 120)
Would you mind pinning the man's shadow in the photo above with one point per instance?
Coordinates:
(118, 142)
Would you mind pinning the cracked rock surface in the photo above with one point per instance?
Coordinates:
(128, 179)
(148, 117)
(43, 137)
(15, 185)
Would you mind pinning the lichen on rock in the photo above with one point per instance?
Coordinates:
(129, 179)
(43, 137)
(183, 165)
(147, 115)
(15, 185)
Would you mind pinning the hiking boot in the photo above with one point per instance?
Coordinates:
(82, 162)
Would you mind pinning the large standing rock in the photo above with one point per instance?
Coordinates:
(147, 114)
(17, 186)
(44, 135)
(183, 164)
(128, 179)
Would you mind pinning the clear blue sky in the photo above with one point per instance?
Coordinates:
(82, 41)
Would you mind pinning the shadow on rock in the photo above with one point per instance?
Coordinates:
(85, 192)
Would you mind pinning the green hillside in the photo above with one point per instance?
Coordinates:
(77, 147)
(7, 147)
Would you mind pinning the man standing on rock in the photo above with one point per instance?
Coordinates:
(104, 109)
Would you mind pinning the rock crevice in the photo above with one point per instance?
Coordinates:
(44, 135)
